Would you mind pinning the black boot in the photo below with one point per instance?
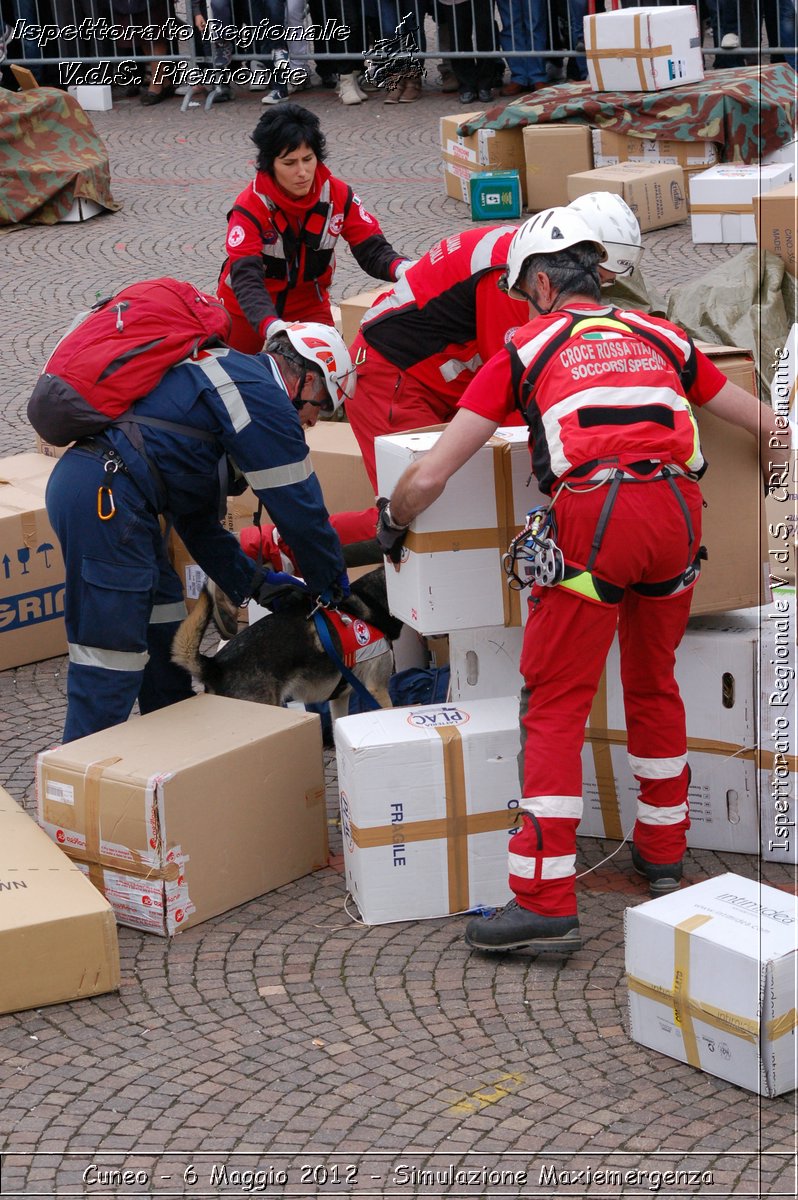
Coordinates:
(515, 928)
(662, 877)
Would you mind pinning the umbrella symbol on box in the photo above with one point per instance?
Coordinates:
(45, 549)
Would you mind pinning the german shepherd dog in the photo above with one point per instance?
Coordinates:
(281, 658)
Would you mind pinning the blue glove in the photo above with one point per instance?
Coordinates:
(336, 592)
(276, 589)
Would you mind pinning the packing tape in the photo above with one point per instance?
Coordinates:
(602, 758)
(314, 797)
(764, 759)
(710, 209)
(778, 1026)
(708, 1014)
(456, 827)
(497, 538)
(91, 798)
(136, 867)
(30, 536)
(682, 1011)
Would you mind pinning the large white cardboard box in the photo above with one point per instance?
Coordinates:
(711, 971)
(716, 669)
(428, 796)
(451, 575)
(722, 199)
(485, 663)
(643, 49)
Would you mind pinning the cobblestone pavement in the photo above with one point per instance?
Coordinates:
(285, 1034)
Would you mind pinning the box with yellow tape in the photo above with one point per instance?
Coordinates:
(722, 200)
(643, 49)
(711, 977)
(428, 797)
(189, 811)
(716, 669)
(451, 576)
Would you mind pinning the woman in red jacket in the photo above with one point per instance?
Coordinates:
(283, 230)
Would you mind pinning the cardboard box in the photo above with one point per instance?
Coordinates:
(452, 576)
(781, 501)
(354, 308)
(551, 154)
(776, 217)
(711, 973)
(716, 669)
(722, 200)
(428, 797)
(778, 730)
(485, 663)
(189, 811)
(32, 578)
(655, 193)
(788, 153)
(49, 450)
(611, 148)
(57, 934)
(643, 49)
(485, 150)
(93, 97)
(495, 195)
(734, 527)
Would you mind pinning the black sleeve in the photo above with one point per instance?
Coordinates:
(375, 256)
(249, 289)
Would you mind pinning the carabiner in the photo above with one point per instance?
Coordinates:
(105, 493)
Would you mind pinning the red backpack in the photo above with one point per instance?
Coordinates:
(118, 352)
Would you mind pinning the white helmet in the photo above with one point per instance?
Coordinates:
(609, 216)
(548, 232)
(323, 347)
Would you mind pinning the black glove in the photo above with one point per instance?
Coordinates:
(390, 537)
(278, 589)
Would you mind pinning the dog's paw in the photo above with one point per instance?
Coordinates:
(225, 612)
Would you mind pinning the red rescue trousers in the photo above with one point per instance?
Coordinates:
(566, 642)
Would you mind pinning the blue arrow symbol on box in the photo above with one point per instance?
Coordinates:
(7, 566)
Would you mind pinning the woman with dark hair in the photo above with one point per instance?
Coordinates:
(283, 229)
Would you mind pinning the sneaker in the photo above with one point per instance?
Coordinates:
(467, 97)
(662, 877)
(275, 96)
(485, 95)
(260, 76)
(729, 41)
(516, 928)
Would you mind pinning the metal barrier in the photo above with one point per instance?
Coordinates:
(60, 39)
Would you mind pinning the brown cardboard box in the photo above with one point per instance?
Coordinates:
(191, 810)
(776, 215)
(31, 566)
(485, 150)
(656, 194)
(48, 449)
(57, 934)
(354, 308)
(611, 148)
(552, 153)
(733, 522)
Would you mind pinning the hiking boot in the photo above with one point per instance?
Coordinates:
(662, 877)
(516, 928)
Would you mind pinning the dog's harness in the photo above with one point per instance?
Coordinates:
(359, 641)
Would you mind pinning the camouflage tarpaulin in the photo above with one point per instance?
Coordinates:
(50, 155)
(748, 111)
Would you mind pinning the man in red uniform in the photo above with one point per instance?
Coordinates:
(283, 231)
(421, 344)
(607, 395)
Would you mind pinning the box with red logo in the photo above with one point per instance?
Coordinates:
(189, 811)
(31, 565)
(428, 795)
